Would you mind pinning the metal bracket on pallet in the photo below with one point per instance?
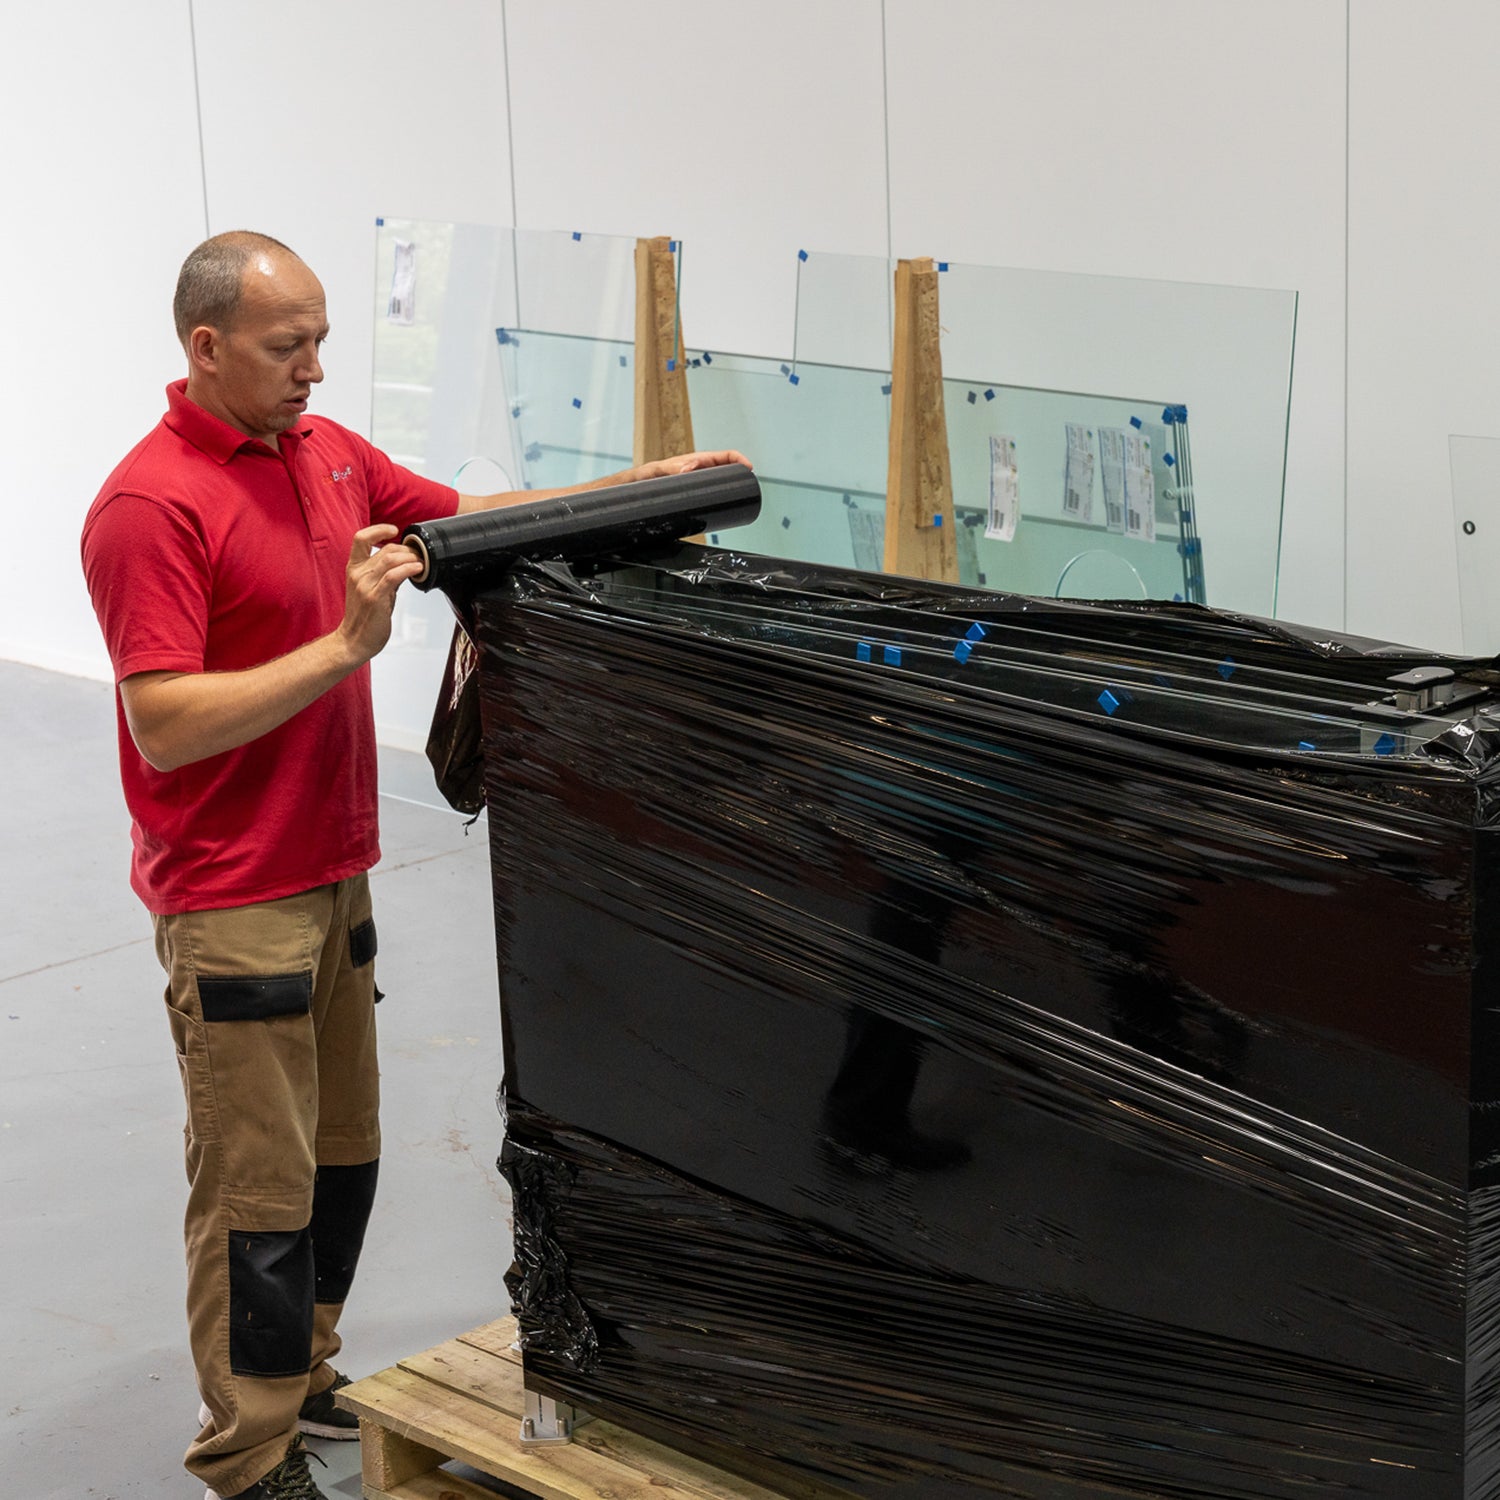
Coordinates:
(549, 1421)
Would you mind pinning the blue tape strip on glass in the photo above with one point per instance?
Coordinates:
(1226, 667)
(671, 364)
(577, 404)
(1108, 702)
(962, 651)
(892, 656)
(937, 520)
(1168, 460)
(989, 395)
(671, 247)
(576, 235)
(795, 379)
(379, 223)
(1135, 422)
(885, 390)
(515, 410)
(942, 265)
(1385, 745)
(973, 398)
(708, 358)
(1306, 745)
(503, 336)
(862, 651)
(975, 632)
(802, 255)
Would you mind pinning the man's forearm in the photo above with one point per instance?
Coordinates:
(657, 469)
(177, 718)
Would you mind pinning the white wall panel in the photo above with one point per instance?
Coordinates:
(100, 183)
(748, 131)
(1183, 140)
(1424, 298)
(318, 118)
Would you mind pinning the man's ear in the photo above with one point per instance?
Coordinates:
(203, 348)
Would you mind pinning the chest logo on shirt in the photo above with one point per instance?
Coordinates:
(337, 474)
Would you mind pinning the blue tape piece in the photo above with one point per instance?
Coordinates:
(1225, 669)
(708, 358)
(973, 398)
(802, 255)
(1384, 745)
(515, 411)
(576, 235)
(533, 453)
(885, 390)
(713, 537)
(671, 365)
(503, 336)
(786, 523)
(1172, 415)
(795, 379)
(671, 247)
(786, 369)
(892, 656)
(937, 520)
(989, 395)
(693, 364)
(975, 632)
(380, 223)
(1136, 423)
(862, 651)
(1177, 599)
(849, 501)
(1108, 702)
(1168, 460)
(962, 651)
(942, 265)
(1306, 745)
(623, 361)
(577, 404)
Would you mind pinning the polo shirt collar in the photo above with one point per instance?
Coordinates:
(206, 432)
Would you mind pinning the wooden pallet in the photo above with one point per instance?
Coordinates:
(464, 1399)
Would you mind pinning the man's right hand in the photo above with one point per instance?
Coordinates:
(378, 566)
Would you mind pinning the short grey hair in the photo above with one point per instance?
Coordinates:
(213, 276)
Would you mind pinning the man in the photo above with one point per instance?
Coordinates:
(243, 561)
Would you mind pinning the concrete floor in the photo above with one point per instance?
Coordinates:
(97, 1397)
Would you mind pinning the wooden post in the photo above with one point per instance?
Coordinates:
(919, 539)
(663, 422)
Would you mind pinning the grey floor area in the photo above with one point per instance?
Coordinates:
(97, 1397)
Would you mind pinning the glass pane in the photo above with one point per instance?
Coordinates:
(1057, 351)
(437, 405)
(1475, 466)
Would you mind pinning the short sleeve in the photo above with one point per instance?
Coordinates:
(148, 576)
(400, 498)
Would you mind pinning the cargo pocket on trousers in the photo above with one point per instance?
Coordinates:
(363, 947)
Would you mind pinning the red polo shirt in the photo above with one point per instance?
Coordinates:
(206, 552)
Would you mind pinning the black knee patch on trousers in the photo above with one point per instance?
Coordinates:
(270, 1301)
(362, 943)
(342, 1200)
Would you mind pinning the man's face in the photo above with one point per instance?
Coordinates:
(265, 364)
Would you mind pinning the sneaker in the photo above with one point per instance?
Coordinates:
(289, 1480)
(319, 1417)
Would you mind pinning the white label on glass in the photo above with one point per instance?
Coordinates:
(402, 307)
(1005, 491)
(1112, 444)
(1078, 475)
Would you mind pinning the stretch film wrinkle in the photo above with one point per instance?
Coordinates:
(925, 1081)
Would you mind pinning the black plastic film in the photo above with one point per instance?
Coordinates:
(970, 1046)
(469, 552)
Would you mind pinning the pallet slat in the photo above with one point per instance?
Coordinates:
(463, 1400)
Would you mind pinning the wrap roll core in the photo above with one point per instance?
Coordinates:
(464, 554)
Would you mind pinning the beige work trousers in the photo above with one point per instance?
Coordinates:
(272, 1011)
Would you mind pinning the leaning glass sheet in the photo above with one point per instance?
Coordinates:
(961, 1044)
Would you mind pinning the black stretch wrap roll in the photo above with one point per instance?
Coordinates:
(471, 552)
